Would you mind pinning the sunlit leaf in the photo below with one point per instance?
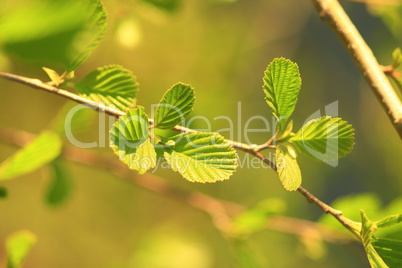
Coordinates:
(389, 221)
(110, 85)
(397, 57)
(202, 157)
(45, 148)
(90, 37)
(282, 84)
(325, 139)
(287, 167)
(18, 245)
(175, 106)
(390, 251)
(54, 76)
(51, 33)
(59, 188)
(129, 140)
(367, 230)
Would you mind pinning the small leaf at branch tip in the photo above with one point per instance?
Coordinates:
(54, 76)
(282, 83)
(175, 105)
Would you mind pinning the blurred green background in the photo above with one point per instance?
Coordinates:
(221, 48)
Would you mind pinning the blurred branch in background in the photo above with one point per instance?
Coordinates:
(332, 12)
(221, 212)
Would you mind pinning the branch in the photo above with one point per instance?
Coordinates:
(35, 83)
(332, 12)
(220, 211)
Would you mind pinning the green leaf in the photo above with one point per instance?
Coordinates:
(325, 139)
(18, 245)
(3, 192)
(390, 251)
(202, 157)
(389, 221)
(52, 33)
(282, 84)
(175, 106)
(60, 187)
(129, 140)
(110, 85)
(367, 230)
(45, 148)
(397, 57)
(287, 167)
(89, 39)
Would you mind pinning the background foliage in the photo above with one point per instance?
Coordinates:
(221, 48)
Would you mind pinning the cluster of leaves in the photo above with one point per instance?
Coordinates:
(136, 138)
(323, 139)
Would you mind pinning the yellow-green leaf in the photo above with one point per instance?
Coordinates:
(287, 167)
(202, 157)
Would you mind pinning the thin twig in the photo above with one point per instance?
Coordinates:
(221, 212)
(332, 12)
(35, 83)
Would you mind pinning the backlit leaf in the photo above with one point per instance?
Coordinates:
(110, 85)
(175, 106)
(202, 157)
(60, 185)
(129, 140)
(325, 139)
(282, 84)
(45, 148)
(367, 231)
(18, 245)
(287, 167)
(90, 37)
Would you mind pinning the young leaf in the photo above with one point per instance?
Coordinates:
(175, 106)
(397, 58)
(45, 148)
(129, 140)
(389, 221)
(202, 157)
(18, 245)
(288, 169)
(90, 37)
(282, 84)
(54, 76)
(367, 231)
(325, 139)
(390, 251)
(60, 187)
(110, 85)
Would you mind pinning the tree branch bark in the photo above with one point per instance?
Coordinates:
(332, 13)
